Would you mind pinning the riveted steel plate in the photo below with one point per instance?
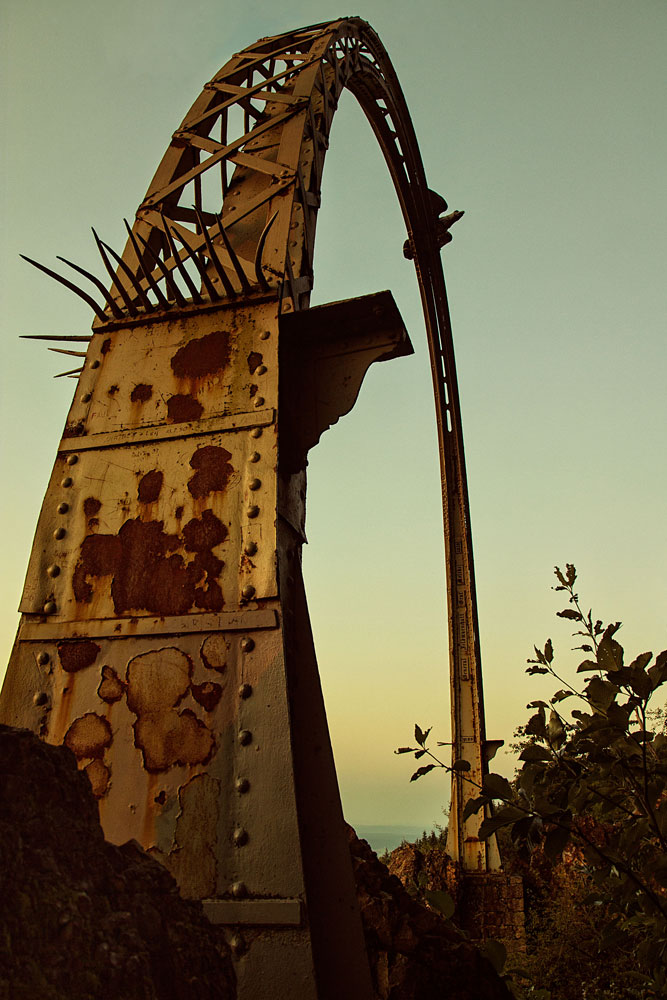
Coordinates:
(157, 531)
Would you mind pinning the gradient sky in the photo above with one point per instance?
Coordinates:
(545, 121)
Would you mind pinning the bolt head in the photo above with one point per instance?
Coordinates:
(245, 691)
(256, 432)
(49, 607)
(245, 737)
(73, 459)
(67, 481)
(254, 456)
(43, 658)
(240, 836)
(248, 591)
(237, 944)
(40, 698)
(254, 484)
(239, 890)
(86, 398)
(259, 402)
(261, 370)
(95, 364)
(265, 334)
(242, 785)
(53, 570)
(63, 508)
(253, 511)
(250, 548)
(247, 644)
(59, 533)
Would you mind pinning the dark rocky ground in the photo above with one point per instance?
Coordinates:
(81, 919)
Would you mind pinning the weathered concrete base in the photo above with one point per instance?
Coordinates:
(490, 905)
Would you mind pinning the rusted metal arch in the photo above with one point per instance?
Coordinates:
(284, 91)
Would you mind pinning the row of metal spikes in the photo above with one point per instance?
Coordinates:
(174, 295)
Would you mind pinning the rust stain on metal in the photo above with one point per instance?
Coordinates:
(193, 861)
(113, 390)
(88, 736)
(178, 513)
(150, 486)
(148, 573)
(91, 506)
(106, 346)
(255, 359)
(213, 471)
(214, 652)
(182, 409)
(111, 686)
(141, 393)
(207, 694)
(75, 656)
(99, 776)
(203, 356)
(204, 533)
(157, 682)
(253, 390)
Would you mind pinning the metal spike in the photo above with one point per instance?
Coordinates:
(263, 283)
(61, 350)
(122, 291)
(98, 284)
(162, 301)
(49, 336)
(72, 371)
(206, 281)
(172, 287)
(72, 287)
(136, 284)
(220, 271)
(194, 291)
(236, 263)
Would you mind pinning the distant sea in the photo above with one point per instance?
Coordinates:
(386, 838)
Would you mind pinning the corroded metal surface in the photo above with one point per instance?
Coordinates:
(165, 635)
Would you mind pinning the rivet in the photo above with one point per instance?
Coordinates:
(242, 785)
(259, 401)
(63, 508)
(40, 698)
(237, 944)
(265, 334)
(256, 432)
(245, 737)
(53, 570)
(43, 658)
(95, 364)
(287, 307)
(59, 533)
(67, 481)
(239, 890)
(253, 511)
(73, 459)
(254, 484)
(247, 644)
(86, 398)
(254, 456)
(261, 370)
(240, 836)
(49, 607)
(250, 548)
(245, 691)
(248, 591)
